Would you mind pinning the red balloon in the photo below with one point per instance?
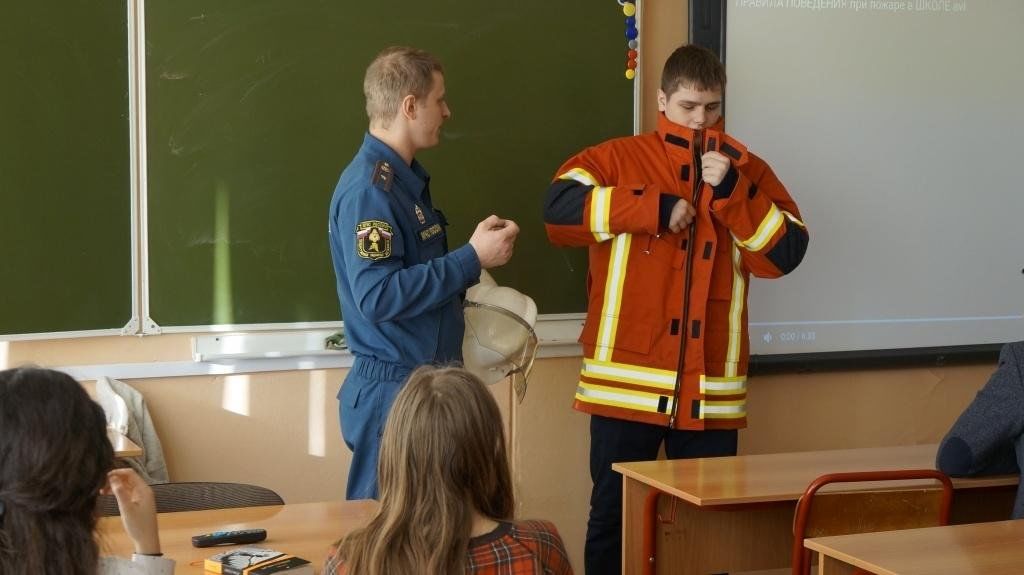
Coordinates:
(631, 54)
(631, 64)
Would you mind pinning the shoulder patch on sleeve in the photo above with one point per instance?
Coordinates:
(373, 239)
(383, 175)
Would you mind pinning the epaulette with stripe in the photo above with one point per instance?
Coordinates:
(383, 175)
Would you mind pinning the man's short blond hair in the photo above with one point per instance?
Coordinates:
(395, 73)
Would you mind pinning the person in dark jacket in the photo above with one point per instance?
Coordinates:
(988, 437)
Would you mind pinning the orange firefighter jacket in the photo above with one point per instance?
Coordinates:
(665, 340)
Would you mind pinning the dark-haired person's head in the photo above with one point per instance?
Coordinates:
(692, 83)
(54, 459)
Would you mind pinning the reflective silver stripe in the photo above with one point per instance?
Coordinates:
(600, 213)
(626, 373)
(622, 398)
(722, 410)
(612, 297)
(580, 175)
(769, 225)
(739, 286)
(640, 401)
(723, 385)
(794, 219)
(600, 202)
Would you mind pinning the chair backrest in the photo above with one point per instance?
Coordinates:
(886, 508)
(199, 496)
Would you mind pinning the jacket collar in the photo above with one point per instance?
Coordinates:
(681, 137)
(413, 177)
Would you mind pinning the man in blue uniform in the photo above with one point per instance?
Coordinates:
(400, 288)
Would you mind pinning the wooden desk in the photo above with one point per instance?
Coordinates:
(738, 511)
(983, 548)
(303, 529)
(123, 447)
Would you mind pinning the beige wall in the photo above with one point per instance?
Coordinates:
(663, 29)
(280, 429)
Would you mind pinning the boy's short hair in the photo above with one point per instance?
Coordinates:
(692, 66)
(395, 73)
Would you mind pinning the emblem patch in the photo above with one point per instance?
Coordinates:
(419, 214)
(373, 239)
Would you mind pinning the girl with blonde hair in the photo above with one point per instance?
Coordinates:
(446, 491)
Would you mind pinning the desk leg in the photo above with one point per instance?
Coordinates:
(832, 566)
(634, 494)
(705, 540)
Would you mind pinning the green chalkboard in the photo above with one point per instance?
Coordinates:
(255, 107)
(65, 184)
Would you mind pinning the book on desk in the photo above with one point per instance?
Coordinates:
(256, 561)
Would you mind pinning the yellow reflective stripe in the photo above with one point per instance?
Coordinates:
(732, 353)
(636, 368)
(600, 202)
(628, 399)
(600, 213)
(580, 175)
(793, 219)
(659, 378)
(723, 385)
(769, 225)
(723, 409)
(612, 297)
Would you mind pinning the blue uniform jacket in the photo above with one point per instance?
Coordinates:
(400, 288)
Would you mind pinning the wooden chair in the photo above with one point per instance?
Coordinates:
(199, 496)
(887, 508)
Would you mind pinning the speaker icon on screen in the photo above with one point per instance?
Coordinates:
(767, 337)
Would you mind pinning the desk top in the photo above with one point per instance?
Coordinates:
(989, 548)
(780, 476)
(303, 529)
(123, 447)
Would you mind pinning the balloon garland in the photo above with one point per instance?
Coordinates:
(632, 36)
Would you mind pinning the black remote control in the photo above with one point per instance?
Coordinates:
(229, 537)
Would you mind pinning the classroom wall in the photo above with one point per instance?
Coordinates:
(280, 429)
(663, 29)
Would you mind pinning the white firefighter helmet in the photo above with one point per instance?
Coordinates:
(500, 341)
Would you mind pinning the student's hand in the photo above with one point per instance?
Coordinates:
(714, 166)
(138, 509)
(494, 240)
(681, 216)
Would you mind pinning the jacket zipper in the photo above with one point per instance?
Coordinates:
(691, 233)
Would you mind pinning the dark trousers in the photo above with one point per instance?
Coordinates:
(614, 441)
(364, 402)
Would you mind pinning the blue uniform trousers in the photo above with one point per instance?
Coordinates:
(364, 402)
(617, 440)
